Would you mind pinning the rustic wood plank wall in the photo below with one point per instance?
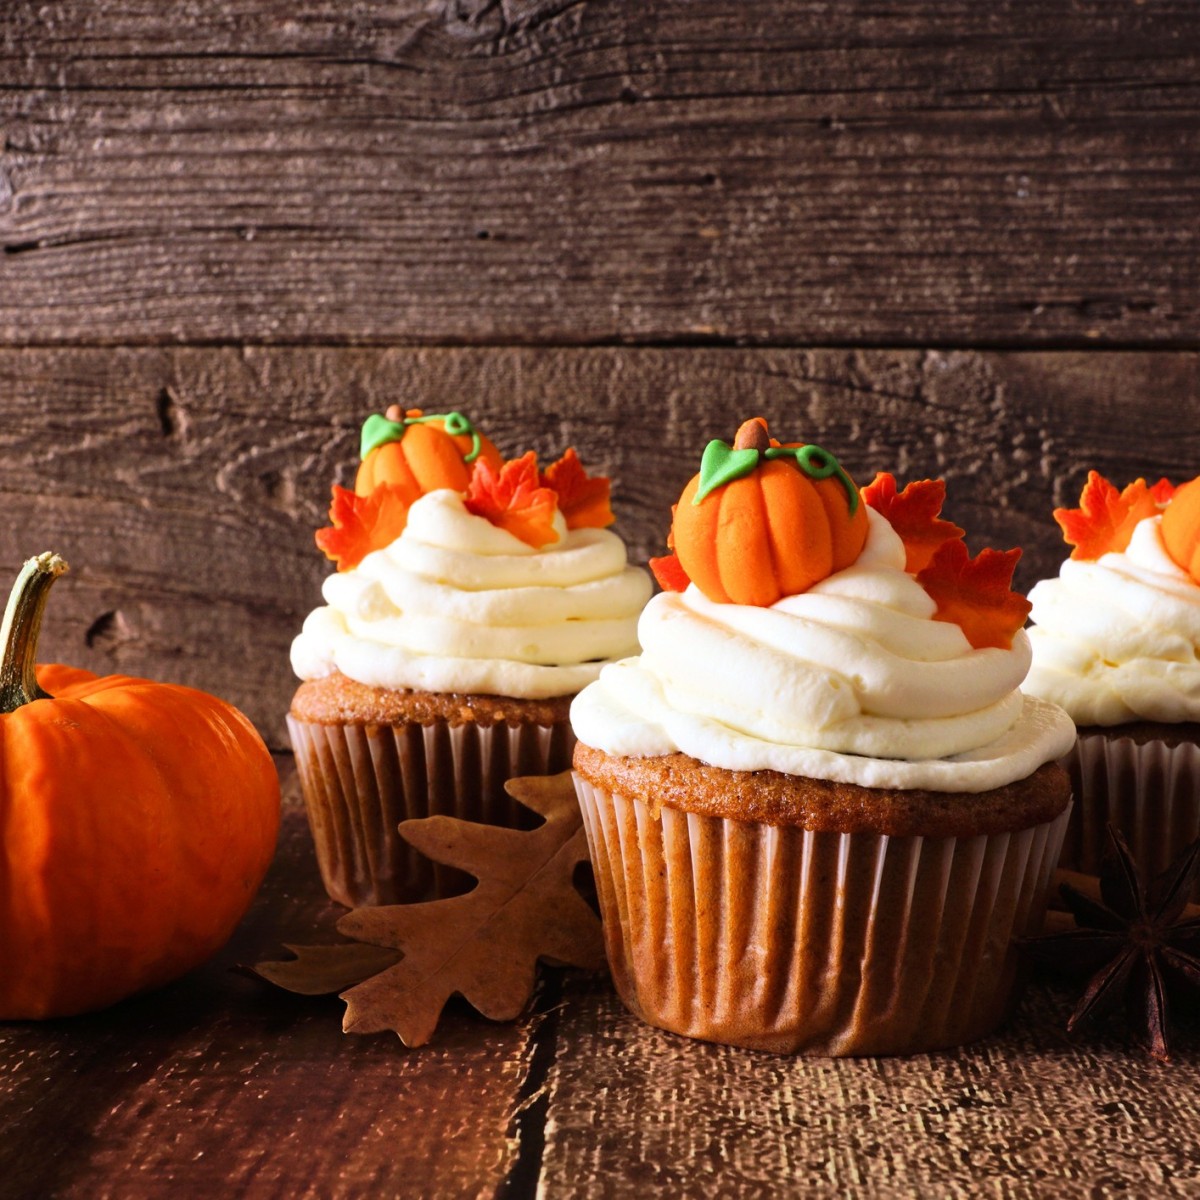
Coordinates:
(938, 179)
(945, 238)
(184, 484)
(578, 171)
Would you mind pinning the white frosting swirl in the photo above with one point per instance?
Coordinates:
(1118, 639)
(456, 604)
(850, 681)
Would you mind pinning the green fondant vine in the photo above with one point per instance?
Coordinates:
(378, 431)
(722, 464)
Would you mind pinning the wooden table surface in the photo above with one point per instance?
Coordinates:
(220, 1084)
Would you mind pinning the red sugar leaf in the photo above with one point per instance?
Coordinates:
(583, 499)
(1162, 492)
(975, 593)
(670, 573)
(513, 500)
(913, 514)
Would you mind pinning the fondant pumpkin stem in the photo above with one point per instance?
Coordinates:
(20, 630)
(394, 412)
(752, 435)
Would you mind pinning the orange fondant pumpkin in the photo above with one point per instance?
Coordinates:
(770, 527)
(420, 454)
(1181, 528)
(137, 819)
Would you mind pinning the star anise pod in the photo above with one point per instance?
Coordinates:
(1135, 942)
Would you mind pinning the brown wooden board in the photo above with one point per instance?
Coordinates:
(467, 171)
(1024, 1114)
(222, 1085)
(184, 485)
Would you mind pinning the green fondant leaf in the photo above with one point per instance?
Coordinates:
(377, 431)
(722, 464)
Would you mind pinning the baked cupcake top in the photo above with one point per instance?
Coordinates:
(503, 581)
(1116, 636)
(815, 630)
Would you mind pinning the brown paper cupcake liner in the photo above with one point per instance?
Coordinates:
(781, 939)
(1150, 792)
(360, 781)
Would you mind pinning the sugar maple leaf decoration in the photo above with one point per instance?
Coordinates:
(913, 514)
(583, 499)
(1105, 519)
(1162, 492)
(669, 572)
(514, 499)
(483, 945)
(667, 569)
(362, 523)
(975, 593)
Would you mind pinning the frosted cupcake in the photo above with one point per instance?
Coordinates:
(1116, 642)
(818, 806)
(457, 629)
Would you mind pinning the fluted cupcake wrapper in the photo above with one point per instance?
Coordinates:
(1150, 792)
(360, 781)
(781, 939)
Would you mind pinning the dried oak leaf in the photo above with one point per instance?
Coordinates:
(323, 970)
(1105, 518)
(974, 593)
(362, 523)
(913, 514)
(513, 499)
(484, 945)
(583, 499)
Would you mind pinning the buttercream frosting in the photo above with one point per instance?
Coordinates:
(1117, 639)
(456, 604)
(852, 680)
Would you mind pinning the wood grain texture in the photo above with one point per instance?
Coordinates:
(570, 171)
(184, 485)
(220, 1085)
(1024, 1114)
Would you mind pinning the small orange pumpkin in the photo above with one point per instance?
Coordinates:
(1181, 527)
(763, 521)
(420, 454)
(137, 820)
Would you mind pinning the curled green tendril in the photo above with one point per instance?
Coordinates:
(456, 424)
(818, 463)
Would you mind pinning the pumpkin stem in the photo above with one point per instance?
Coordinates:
(20, 630)
(752, 435)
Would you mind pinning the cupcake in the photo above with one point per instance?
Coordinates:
(473, 599)
(819, 808)
(1116, 642)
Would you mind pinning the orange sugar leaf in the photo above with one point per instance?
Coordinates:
(975, 593)
(1162, 491)
(670, 573)
(362, 523)
(1105, 518)
(583, 499)
(513, 500)
(913, 514)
